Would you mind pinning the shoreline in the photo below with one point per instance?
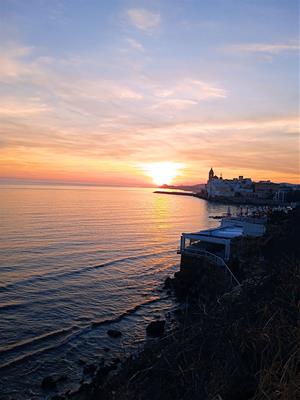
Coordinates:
(209, 314)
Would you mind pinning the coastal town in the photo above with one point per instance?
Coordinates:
(247, 189)
(239, 190)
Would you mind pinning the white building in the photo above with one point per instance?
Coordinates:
(217, 241)
(219, 187)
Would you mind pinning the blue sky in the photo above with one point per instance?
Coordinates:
(93, 90)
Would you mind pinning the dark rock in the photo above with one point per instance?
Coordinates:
(178, 311)
(81, 361)
(48, 383)
(156, 328)
(179, 315)
(58, 397)
(62, 378)
(89, 369)
(168, 283)
(114, 333)
(83, 388)
(103, 372)
(106, 349)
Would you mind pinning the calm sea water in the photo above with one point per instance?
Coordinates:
(76, 261)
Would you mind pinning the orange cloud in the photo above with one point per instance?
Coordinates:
(57, 124)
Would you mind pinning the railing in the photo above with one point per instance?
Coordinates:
(214, 259)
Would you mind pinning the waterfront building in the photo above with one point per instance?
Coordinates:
(219, 187)
(265, 189)
(247, 190)
(217, 241)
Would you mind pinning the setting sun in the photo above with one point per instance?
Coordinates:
(163, 173)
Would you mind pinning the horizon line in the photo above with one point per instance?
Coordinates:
(49, 182)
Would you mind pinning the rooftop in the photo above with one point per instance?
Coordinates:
(227, 232)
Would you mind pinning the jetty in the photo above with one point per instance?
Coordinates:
(174, 192)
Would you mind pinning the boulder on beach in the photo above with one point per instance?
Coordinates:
(114, 333)
(156, 328)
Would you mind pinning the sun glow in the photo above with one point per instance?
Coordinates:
(163, 173)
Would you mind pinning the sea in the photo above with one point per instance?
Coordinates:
(76, 261)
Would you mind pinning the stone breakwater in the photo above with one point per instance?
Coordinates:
(225, 342)
(226, 200)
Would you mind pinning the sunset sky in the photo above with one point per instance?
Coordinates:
(97, 91)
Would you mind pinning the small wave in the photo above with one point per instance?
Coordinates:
(67, 335)
(26, 356)
(127, 312)
(57, 276)
(29, 342)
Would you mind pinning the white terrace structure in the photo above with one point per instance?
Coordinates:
(217, 241)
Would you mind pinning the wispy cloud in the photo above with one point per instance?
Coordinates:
(49, 79)
(135, 44)
(87, 122)
(15, 108)
(99, 90)
(243, 145)
(11, 60)
(193, 128)
(174, 104)
(195, 90)
(143, 19)
(186, 93)
(265, 48)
